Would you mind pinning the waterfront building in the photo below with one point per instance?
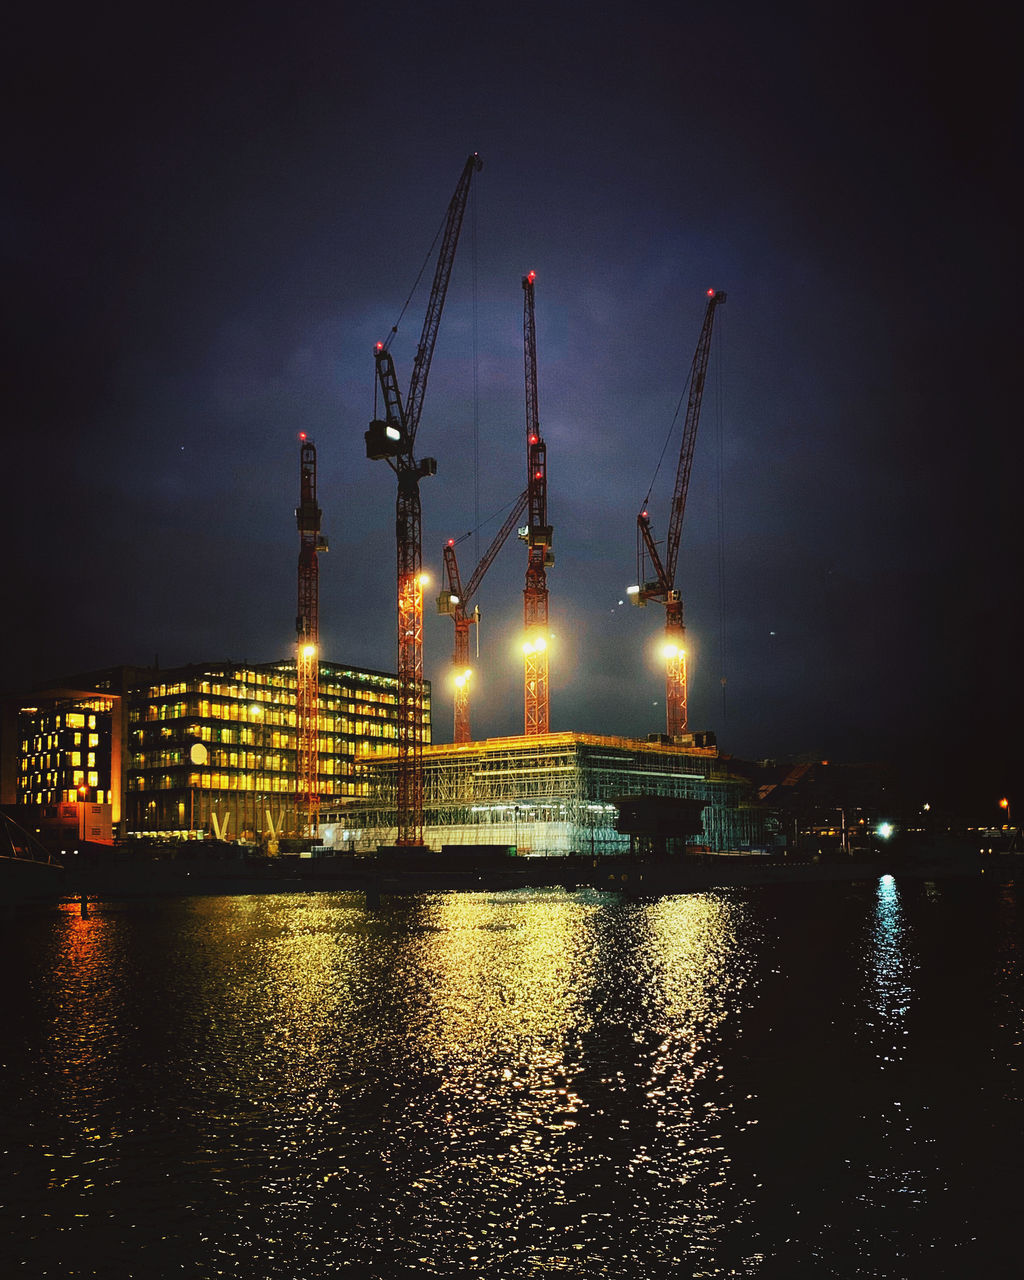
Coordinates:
(66, 748)
(559, 793)
(208, 748)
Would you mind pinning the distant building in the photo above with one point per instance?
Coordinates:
(209, 748)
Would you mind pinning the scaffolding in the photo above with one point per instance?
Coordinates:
(554, 794)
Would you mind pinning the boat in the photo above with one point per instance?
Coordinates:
(28, 872)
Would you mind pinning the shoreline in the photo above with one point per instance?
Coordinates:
(112, 875)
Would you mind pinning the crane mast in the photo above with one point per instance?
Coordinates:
(454, 601)
(659, 584)
(537, 535)
(392, 439)
(307, 645)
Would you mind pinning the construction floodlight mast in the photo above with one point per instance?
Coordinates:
(656, 573)
(307, 645)
(392, 438)
(537, 535)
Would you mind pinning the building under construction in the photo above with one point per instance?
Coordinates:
(560, 793)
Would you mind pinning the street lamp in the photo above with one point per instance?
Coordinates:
(1005, 804)
(83, 796)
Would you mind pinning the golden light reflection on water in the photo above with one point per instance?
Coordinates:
(86, 981)
(482, 1084)
(694, 957)
(492, 976)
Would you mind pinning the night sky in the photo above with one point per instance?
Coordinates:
(212, 213)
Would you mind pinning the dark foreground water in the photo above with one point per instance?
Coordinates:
(808, 1081)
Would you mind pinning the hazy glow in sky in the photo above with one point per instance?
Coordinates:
(209, 231)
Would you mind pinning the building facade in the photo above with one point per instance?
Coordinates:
(559, 793)
(206, 749)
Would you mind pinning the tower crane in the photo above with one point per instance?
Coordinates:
(454, 601)
(392, 439)
(661, 586)
(537, 536)
(307, 649)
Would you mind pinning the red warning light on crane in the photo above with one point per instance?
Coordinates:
(302, 435)
(710, 293)
(379, 346)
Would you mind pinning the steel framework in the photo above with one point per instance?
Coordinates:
(454, 601)
(536, 704)
(393, 439)
(556, 794)
(662, 586)
(307, 646)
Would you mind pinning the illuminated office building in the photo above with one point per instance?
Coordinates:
(205, 749)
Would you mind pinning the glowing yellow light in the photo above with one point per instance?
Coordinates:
(462, 678)
(423, 579)
(670, 650)
(308, 650)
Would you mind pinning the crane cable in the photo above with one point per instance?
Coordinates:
(721, 517)
(470, 533)
(476, 390)
(416, 283)
(386, 345)
(668, 440)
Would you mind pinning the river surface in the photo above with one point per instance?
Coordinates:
(800, 1081)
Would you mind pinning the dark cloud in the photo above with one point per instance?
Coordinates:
(209, 221)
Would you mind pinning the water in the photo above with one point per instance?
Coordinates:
(818, 1080)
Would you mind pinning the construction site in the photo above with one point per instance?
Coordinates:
(542, 793)
(566, 793)
(343, 759)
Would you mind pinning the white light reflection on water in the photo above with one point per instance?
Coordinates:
(890, 969)
(889, 1001)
